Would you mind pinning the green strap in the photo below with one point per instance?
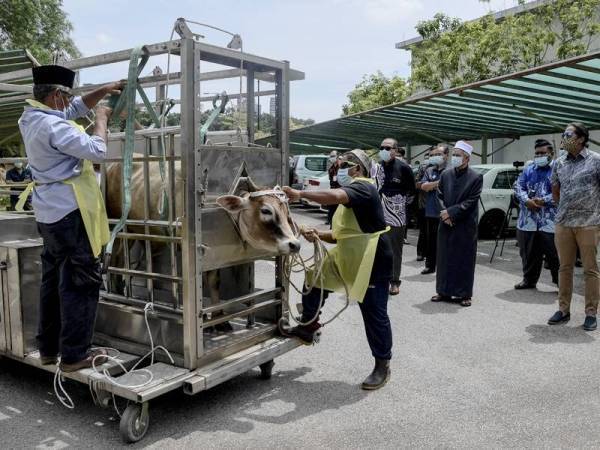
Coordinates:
(213, 115)
(118, 104)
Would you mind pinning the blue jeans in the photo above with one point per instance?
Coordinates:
(69, 291)
(375, 316)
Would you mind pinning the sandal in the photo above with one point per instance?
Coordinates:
(440, 298)
(465, 302)
(394, 289)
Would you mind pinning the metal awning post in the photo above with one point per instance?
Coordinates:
(484, 149)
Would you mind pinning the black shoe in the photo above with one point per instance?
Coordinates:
(420, 258)
(427, 271)
(524, 285)
(559, 317)
(590, 323)
(379, 376)
(306, 334)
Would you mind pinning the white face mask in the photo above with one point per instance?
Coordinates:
(343, 177)
(541, 161)
(457, 161)
(426, 162)
(385, 155)
(19, 165)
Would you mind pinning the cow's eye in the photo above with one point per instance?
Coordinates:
(266, 211)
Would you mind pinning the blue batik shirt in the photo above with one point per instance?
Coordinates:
(55, 152)
(535, 182)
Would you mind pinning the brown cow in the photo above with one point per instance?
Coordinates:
(263, 220)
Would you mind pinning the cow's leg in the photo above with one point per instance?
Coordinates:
(212, 280)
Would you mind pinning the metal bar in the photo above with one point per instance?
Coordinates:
(154, 223)
(250, 105)
(502, 147)
(100, 60)
(163, 311)
(147, 246)
(172, 212)
(142, 159)
(16, 88)
(244, 313)
(484, 149)
(142, 274)
(189, 91)
(253, 297)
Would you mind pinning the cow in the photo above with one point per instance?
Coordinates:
(262, 215)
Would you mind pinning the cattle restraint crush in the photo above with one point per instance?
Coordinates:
(180, 280)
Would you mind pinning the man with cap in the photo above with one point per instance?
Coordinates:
(535, 227)
(396, 184)
(458, 192)
(69, 210)
(359, 265)
(18, 174)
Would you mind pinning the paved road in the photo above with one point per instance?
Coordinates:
(492, 375)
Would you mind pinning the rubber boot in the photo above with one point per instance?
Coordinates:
(379, 376)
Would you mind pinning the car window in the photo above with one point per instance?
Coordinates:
(505, 179)
(316, 164)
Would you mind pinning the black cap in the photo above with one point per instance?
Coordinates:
(53, 75)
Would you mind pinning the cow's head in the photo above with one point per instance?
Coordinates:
(263, 219)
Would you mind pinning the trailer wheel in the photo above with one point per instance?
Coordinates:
(266, 370)
(134, 423)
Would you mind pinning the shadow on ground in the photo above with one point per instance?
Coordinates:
(430, 307)
(546, 334)
(528, 296)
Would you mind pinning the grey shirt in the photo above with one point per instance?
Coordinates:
(579, 180)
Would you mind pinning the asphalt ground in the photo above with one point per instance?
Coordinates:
(492, 375)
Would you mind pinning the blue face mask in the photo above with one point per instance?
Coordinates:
(457, 161)
(343, 178)
(541, 161)
(436, 160)
(385, 155)
(426, 162)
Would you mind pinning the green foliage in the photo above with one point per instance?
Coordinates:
(454, 53)
(376, 90)
(37, 25)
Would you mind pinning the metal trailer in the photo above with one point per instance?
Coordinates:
(164, 260)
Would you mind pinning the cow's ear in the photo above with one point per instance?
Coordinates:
(232, 203)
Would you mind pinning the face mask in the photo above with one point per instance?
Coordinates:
(436, 160)
(332, 159)
(343, 178)
(541, 161)
(385, 155)
(457, 161)
(570, 144)
(426, 162)
(19, 165)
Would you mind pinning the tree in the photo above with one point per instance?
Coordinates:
(453, 53)
(376, 90)
(40, 26)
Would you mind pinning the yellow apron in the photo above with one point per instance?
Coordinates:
(353, 256)
(88, 196)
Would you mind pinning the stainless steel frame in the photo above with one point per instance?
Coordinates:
(166, 260)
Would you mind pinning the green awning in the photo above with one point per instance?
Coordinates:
(10, 111)
(541, 100)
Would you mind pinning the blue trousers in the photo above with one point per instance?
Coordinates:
(69, 291)
(374, 312)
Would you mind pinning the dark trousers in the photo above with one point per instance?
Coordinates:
(374, 312)
(69, 291)
(432, 224)
(422, 224)
(397, 235)
(533, 247)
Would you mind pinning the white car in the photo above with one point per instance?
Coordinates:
(315, 184)
(498, 182)
(307, 166)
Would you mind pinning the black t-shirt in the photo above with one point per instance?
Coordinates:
(366, 204)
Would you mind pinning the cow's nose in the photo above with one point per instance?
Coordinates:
(294, 246)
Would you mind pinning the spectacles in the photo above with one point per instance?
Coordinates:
(68, 95)
(568, 134)
(347, 165)
(386, 147)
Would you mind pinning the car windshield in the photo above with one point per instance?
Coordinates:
(480, 170)
(316, 164)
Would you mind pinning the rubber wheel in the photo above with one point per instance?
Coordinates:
(266, 370)
(134, 423)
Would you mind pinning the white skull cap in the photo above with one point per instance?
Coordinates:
(364, 160)
(465, 147)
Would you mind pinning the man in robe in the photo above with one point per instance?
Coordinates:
(458, 191)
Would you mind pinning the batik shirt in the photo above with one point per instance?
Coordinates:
(535, 182)
(395, 192)
(579, 180)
